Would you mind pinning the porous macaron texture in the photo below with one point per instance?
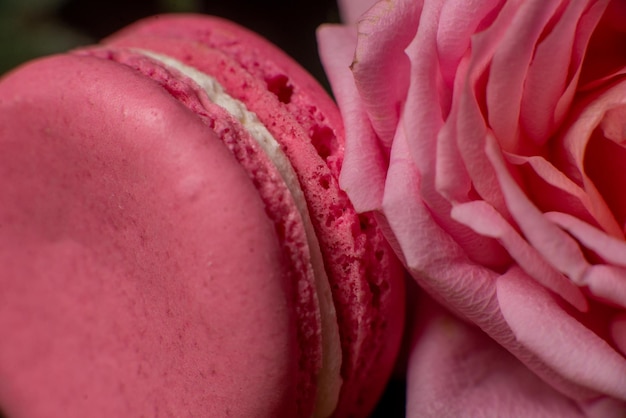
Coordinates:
(365, 277)
(306, 100)
(279, 205)
(141, 275)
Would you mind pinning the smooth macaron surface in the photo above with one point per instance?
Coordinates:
(141, 274)
(279, 205)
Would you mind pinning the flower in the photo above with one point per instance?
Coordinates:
(490, 137)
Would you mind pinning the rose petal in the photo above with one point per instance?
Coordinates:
(455, 148)
(554, 191)
(351, 10)
(442, 268)
(469, 125)
(607, 283)
(480, 249)
(485, 220)
(457, 371)
(471, 136)
(509, 66)
(451, 178)
(556, 246)
(618, 331)
(363, 156)
(458, 21)
(555, 69)
(381, 68)
(420, 121)
(419, 220)
(604, 161)
(558, 339)
(584, 157)
(611, 249)
(423, 113)
(605, 55)
(438, 263)
(604, 407)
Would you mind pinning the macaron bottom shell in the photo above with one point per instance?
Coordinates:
(366, 279)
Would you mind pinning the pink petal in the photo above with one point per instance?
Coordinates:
(581, 155)
(431, 255)
(478, 248)
(604, 407)
(442, 268)
(351, 10)
(509, 66)
(451, 178)
(610, 249)
(608, 283)
(552, 190)
(457, 371)
(604, 161)
(365, 165)
(559, 340)
(469, 127)
(458, 21)
(555, 69)
(618, 332)
(381, 68)
(426, 101)
(485, 43)
(472, 134)
(605, 56)
(556, 246)
(419, 124)
(485, 220)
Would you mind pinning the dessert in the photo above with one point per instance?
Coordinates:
(174, 239)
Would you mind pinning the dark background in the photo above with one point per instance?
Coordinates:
(32, 28)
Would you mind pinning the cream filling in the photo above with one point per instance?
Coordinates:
(329, 378)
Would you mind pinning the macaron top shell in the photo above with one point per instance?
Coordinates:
(301, 154)
(141, 273)
(279, 204)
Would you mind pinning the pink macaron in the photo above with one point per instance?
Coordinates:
(173, 238)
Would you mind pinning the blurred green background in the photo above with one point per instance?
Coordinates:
(33, 28)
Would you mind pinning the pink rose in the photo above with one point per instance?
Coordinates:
(490, 135)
